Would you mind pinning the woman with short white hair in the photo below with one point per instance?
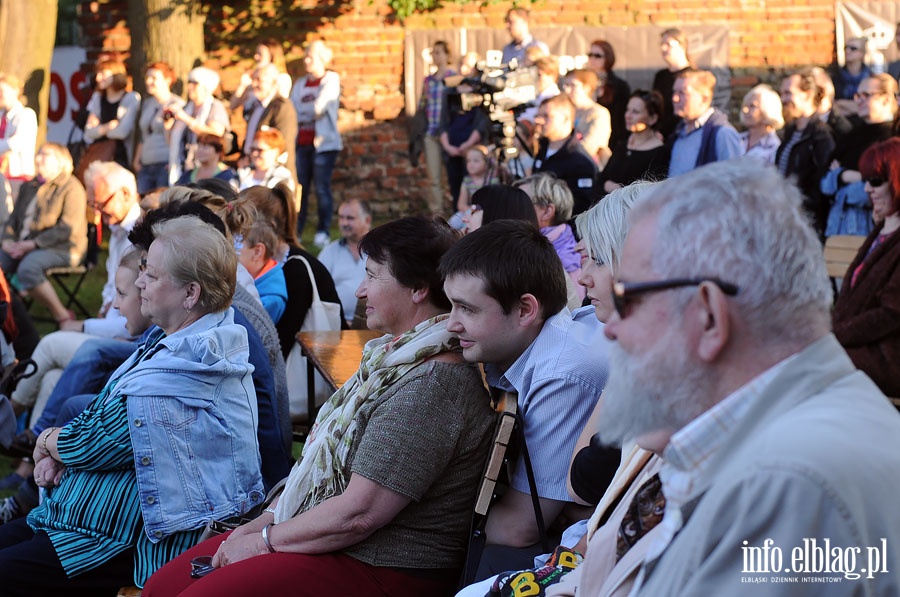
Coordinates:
(761, 114)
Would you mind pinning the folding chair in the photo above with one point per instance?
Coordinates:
(509, 436)
(507, 406)
(68, 280)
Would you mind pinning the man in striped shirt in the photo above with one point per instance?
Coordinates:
(508, 292)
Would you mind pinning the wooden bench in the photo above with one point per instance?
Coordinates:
(840, 251)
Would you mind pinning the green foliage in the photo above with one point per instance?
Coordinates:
(404, 8)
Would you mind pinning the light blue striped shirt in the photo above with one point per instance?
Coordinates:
(559, 378)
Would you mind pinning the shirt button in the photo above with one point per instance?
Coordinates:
(151, 499)
(145, 460)
(157, 534)
(138, 422)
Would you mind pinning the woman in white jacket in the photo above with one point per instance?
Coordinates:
(316, 97)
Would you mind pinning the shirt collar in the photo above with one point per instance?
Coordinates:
(689, 127)
(692, 449)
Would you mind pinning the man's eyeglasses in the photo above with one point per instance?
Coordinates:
(596, 55)
(624, 294)
(875, 181)
(100, 205)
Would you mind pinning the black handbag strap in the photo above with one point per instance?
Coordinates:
(532, 485)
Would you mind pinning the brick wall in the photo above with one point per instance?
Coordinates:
(767, 37)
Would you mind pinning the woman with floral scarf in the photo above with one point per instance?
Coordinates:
(381, 499)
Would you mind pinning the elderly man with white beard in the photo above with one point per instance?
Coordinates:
(779, 468)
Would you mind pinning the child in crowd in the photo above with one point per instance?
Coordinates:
(481, 172)
(257, 254)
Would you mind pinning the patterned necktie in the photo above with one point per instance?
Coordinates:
(645, 512)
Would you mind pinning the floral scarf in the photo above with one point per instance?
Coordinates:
(322, 470)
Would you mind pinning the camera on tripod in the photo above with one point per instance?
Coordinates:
(502, 94)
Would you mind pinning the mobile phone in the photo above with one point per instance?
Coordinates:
(201, 566)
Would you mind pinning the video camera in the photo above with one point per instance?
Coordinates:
(503, 93)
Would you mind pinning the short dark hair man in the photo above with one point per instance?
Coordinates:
(560, 151)
(723, 338)
(508, 293)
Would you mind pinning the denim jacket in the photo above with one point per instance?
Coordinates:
(852, 211)
(193, 416)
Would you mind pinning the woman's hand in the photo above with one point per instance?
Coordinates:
(254, 526)
(834, 165)
(236, 549)
(48, 472)
(850, 176)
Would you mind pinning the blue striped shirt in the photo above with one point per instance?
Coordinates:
(94, 514)
(559, 378)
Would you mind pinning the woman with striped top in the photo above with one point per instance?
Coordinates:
(168, 444)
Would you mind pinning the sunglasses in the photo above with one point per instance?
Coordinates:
(625, 294)
(875, 181)
(595, 55)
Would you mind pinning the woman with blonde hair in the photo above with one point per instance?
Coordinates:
(761, 114)
(553, 204)
(116, 506)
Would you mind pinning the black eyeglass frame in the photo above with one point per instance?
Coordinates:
(623, 291)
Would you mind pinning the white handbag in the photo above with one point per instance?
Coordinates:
(321, 317)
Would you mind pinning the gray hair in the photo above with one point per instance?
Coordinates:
(549, 190)
(769, 105)
(115, 175)
(605, 226)
(742, 222)
(212, 263)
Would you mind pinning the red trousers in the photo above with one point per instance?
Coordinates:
(287, 574)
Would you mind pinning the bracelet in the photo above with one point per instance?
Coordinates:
(265, 534)
(45, 438)
(270, 510)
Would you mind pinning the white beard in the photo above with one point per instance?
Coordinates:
(661, 390)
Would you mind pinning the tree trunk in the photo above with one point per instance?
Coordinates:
(27, 34)
(168, 31)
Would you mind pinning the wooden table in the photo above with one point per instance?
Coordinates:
(335, 355)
